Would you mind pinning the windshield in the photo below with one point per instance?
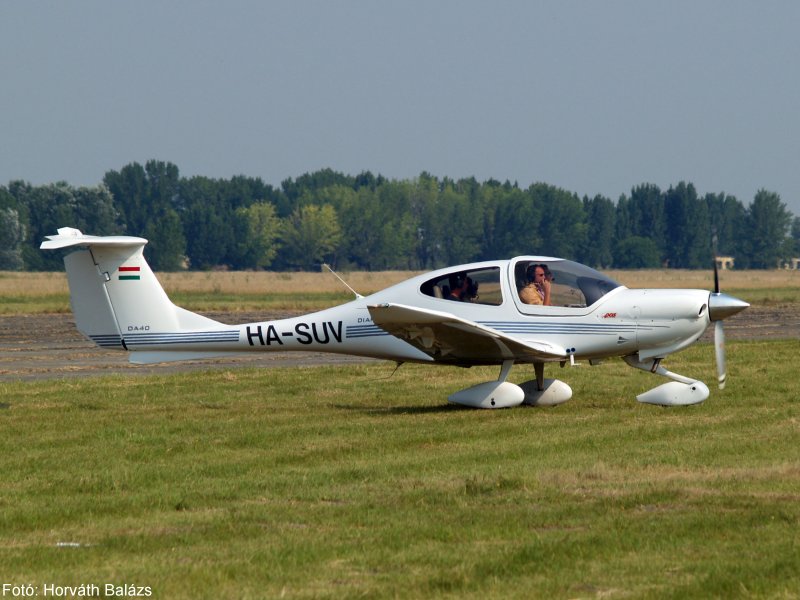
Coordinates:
(571, 284)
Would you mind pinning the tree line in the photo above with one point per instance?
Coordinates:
(373, 223)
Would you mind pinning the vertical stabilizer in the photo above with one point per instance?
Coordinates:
(113, 291)
(89, 299)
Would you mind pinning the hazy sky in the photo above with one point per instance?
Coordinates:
(595, 97)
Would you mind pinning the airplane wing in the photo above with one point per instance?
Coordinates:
(448, 338)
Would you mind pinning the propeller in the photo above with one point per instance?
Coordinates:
(719, 350)
(721, 306)
(719, 330)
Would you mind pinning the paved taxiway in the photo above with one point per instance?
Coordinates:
(48, 346)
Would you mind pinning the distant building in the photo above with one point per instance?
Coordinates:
(791, 264)
(724, 262)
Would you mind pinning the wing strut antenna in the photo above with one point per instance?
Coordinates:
(357, 295)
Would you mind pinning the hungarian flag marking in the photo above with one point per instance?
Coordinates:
(129, 274)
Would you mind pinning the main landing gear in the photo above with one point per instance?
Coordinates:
(504, 394)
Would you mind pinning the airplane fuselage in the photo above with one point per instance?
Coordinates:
(529, 309)
(621, 322)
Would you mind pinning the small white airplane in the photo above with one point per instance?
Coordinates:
(118, 303)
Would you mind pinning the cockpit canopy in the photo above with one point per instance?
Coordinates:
(573, 285)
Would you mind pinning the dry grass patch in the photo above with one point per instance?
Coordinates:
(703, 279)
(268, 282)
(28, 293)
(365, 282)
(33, 285)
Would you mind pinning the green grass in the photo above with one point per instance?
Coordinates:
(338, 482)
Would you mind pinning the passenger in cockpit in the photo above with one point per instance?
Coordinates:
(456, 285)
(537, 289)
(462, 288)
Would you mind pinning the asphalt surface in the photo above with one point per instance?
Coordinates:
(48, 346)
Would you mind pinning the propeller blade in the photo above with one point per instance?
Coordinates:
(719, 348)
(716, 276)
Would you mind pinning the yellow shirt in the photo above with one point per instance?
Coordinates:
(530, 294)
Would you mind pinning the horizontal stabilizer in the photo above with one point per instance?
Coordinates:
(68, 237)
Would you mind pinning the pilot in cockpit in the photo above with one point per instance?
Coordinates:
(537, 288)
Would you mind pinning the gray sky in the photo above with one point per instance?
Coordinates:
(595, 97)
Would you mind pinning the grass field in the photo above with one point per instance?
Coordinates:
(242, 290)
(338, 482)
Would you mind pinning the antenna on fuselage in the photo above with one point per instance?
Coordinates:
(397, 366)
(327, 266)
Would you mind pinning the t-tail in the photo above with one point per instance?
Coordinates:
(116, 299)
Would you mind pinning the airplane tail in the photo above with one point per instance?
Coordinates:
(115, 297)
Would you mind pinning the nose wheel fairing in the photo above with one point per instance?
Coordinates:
(675, 393)
(681, 391)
